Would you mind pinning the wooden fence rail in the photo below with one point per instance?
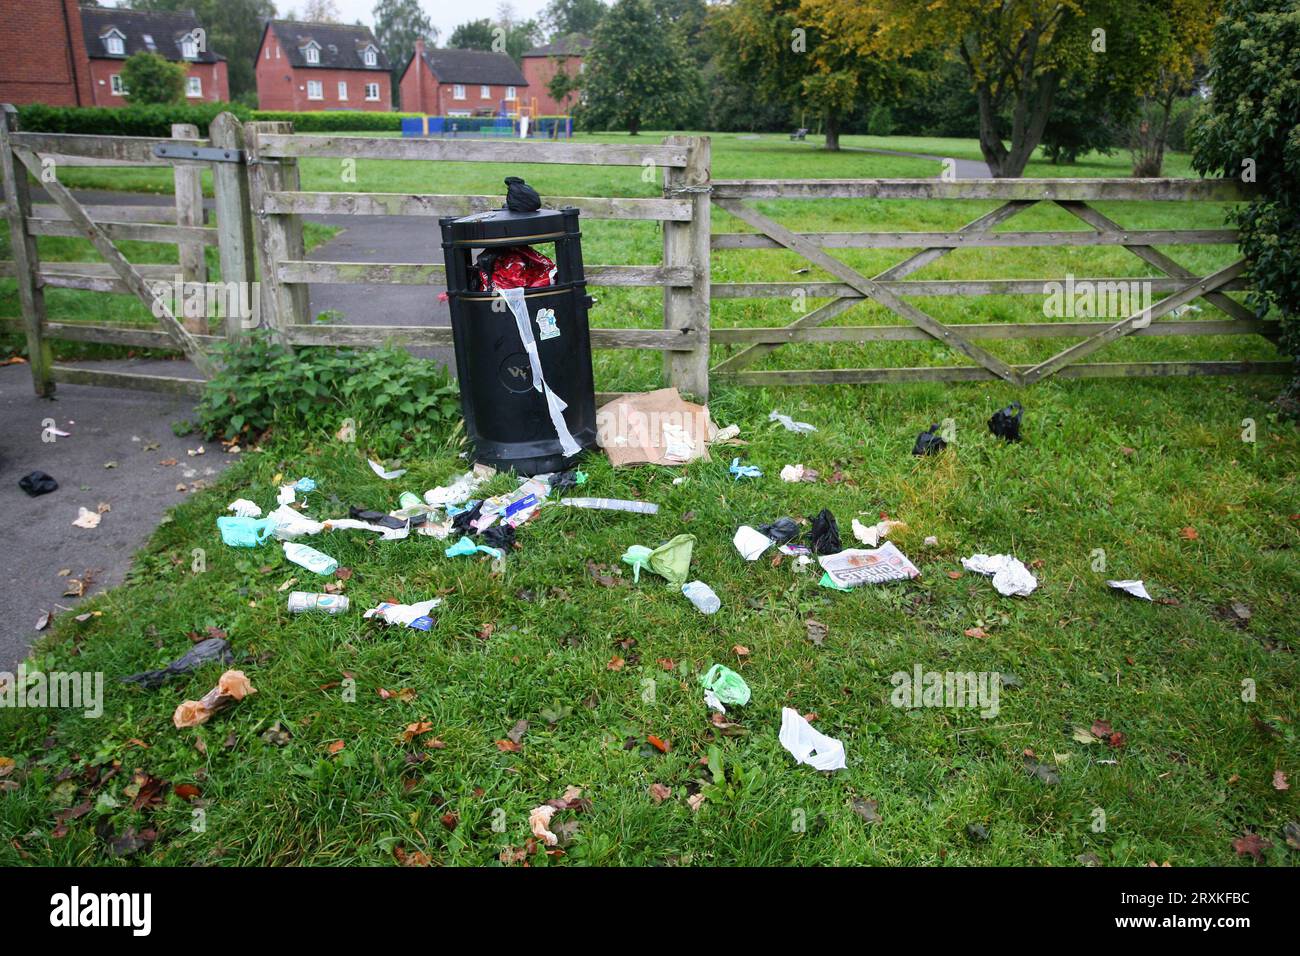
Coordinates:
(258, 233)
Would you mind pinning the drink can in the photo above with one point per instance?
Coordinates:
(300, 601)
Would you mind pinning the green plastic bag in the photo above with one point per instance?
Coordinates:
(672, 559)
(728, 686)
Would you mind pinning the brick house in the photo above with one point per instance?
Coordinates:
(461, 83)
(321, 66)
(543, 62)
(111, 35)
(44, 55)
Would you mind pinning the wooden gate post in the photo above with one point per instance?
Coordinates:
(687, 244)
(188, 189)
(279, 237)
(27, 262)
(235, 244)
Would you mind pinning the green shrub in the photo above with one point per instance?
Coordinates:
(149, 78)
(337, 121)
(155, 120)
(394, 400)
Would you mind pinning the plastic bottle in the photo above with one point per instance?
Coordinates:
(702, 596)
(300, 601)
(309, 558)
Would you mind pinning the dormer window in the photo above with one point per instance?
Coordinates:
(189, 49)
(370, 57)
(311, 53)
(148, 41)
(114, 42)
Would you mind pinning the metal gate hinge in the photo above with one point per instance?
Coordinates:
(210, 154)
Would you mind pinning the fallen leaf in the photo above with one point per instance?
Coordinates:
(868, 810)
(508, 746)
(976, 632)
(405, 695)
(815, 631)
(662, 746)
(1280, 781)
(186, 791)
(1188, 534)
(954, 575)
(415, 730)
(615, 663)
(336, 747)
(518, 730)
(695, 801)
(1252, 844)
(740, 650)
(659, 793)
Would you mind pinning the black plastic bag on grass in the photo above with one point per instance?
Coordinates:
(499, 536)
(929, 442)
(376, 517)
(37, 483)
(1005, 422)
(463, 523)
(782, 530)
(824, 536)
(213, 649)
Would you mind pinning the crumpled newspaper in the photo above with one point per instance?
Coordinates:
(1010, 576)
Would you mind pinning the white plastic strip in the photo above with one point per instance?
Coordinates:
(554, 404)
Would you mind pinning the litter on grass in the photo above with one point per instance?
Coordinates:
(726, 685)
(612, 504)
(781, 530)
(414, 616)
(309, 558)
(739, 471)
(929, 442)
(794, 473)
(232, 687)
(824, 535)
(789, 424)
(378, 469)
(853, 567)
(653, 428)
(1005, 422)
(1136, 588)
(809, 746)
(239, 532)
(702, 596)
(671, 560)
(750, 543)
(243, 508)
(872, 535)
(204, 652)
(1010, 576)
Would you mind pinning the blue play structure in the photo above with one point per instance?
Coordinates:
(487, 127)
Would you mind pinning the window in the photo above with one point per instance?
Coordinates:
(148, 41)
(315, 90)
(343, 90)
(114, 43)
(485, 92)
(458, 92)
(510, 93)
(311, 54)
(372, 91)
(370, 58)
(193, 87)
(115, 84)
(189, 49)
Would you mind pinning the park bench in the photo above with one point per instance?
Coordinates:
(799, 134)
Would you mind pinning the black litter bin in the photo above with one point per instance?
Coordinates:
(506, 417)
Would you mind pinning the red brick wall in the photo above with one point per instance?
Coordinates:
(43, 58)
(421, 93)
(538, 71)
(474, 100)
(282, 87)
(215, 83)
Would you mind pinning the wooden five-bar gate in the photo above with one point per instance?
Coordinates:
(259, 204)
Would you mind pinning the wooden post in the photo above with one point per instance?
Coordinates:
(27, 262)
(189, 212)
(687, 244)
(234, 217)
(278, 236)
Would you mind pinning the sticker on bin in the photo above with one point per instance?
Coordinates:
(547, 328)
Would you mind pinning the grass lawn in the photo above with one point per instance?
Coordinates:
(1121, 466)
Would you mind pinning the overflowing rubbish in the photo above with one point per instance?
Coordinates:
(290, 524)
(824, 535)
(855, 566)
(654, 428)
(243, 508)
(240, 532)
(466, 546)
(287, 495)
(309, 558)
(781, 530)
(789, 424)
(702, 596)
(671, 560)
(809, 746)
(1136, 588)
(414, 616)
(304, 485)
(795, 473)
(1005, 422)
(461, 490)
(232, 687)
(929, 442)
(750, 543)
(612, 504)
(86, 518)
(37, 483)
(739, 471)
(204, 652)
(872, 535)
(378, 469)
(726, 685)
(386, 531)
(302, 601)
(1010, 576)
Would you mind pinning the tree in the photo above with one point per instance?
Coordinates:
(474, 35)
(563, 85)
(149, 78)
(1252, 131)
(798, 54)
(321, 11)
(398, 24)
(234, 30)
(638, 72)
(563, 18)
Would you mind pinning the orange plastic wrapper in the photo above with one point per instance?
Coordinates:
(233, 686)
